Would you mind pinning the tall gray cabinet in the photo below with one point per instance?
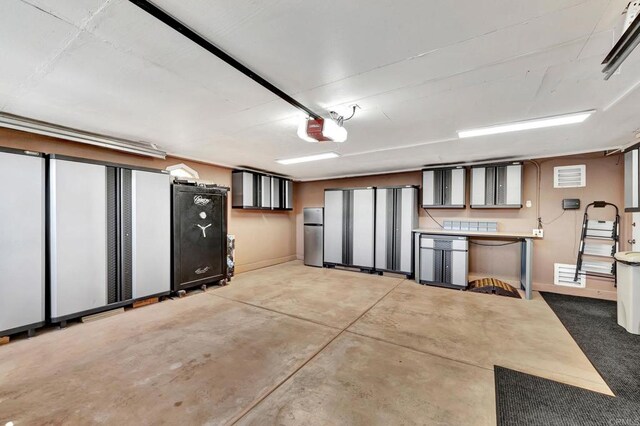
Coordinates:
(109, 236)
(396, 217)
(22, 241)
(349, 227)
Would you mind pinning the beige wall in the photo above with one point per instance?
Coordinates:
(605, 181)
(268, 238)
(262, 238)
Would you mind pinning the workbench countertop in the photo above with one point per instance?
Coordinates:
(437, 231)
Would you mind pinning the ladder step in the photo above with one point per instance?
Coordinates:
(594, 249)
(596, 233)
(603, 225)
(597, 267)
(600, 228)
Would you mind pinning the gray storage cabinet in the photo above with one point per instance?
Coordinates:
(444, 188)
(109, 236)
(396, 217)
(281, 193)
(631, 181)
(349, 227)
(496, 186)
(22, 241)
(258, 191)
(442, 260)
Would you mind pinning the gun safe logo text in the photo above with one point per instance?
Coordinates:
(199, 200)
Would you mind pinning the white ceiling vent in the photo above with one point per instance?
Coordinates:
(570, 176)
(564, 274)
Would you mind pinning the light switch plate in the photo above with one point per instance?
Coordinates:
(538, 233)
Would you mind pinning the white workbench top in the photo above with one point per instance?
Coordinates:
(437, 231)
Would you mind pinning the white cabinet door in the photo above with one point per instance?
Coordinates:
(78, 240)
(478, 186)
(22, 235)
(407, 223)
(514, 185)
(458, 187)
(631, 176)
(635, 232)
(363, 227)
(151, 231)
(333, 224)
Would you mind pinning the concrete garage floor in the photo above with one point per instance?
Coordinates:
(291, 344)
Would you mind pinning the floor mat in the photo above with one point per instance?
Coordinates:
(523, 399)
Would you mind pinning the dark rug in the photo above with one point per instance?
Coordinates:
(523, 399)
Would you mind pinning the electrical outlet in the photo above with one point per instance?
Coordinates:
(538, 233)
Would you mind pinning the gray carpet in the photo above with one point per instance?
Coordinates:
(523, 399)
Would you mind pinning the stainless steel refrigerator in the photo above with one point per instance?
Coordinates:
(313, 236)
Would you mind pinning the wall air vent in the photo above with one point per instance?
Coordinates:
(564, 274)
(570, 176)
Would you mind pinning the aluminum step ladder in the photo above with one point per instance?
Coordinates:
(598, 243)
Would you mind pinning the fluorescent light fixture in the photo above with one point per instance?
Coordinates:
(538, 123)
(182, 171)
(29, 125)
(315, 157)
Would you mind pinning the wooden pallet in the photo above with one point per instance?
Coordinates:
(145, 302)
(101, 315)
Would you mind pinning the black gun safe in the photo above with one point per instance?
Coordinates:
(199, 244)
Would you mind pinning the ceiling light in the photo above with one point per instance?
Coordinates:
(321, 130)
(315, 157)
(538, 123)
(24, 124)
(182, 171)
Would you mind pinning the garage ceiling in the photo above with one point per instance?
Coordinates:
(419, 70)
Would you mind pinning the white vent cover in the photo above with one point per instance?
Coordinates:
(570, 176)
(564, 274)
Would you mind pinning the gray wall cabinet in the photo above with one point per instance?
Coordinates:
(258, 191)
(444, 188)
(496, 186)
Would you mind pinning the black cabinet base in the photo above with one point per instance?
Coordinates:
(29, 328)
(199, 283)
(443, 285)
(62, 320)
